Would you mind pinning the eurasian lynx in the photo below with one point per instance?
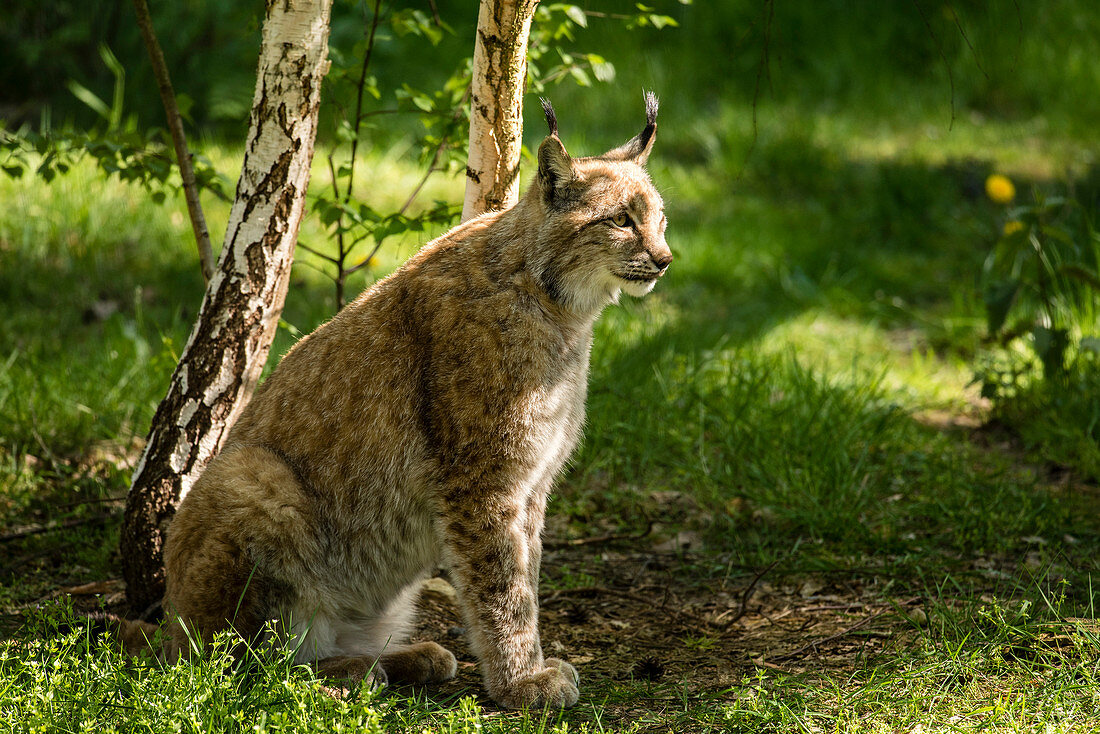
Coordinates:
(424, 425)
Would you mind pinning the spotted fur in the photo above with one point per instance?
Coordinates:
(424, 425)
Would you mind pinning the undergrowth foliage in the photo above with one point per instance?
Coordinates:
(777, 449)
(1041, 289)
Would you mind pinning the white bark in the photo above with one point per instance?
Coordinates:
(496, 99)
(228, 346)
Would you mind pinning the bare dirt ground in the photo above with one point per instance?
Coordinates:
(647, 620)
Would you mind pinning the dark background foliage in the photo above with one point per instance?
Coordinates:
(996, 58)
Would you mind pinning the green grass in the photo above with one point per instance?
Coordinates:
(795, 397)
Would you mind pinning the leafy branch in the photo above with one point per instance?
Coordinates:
(179, 140)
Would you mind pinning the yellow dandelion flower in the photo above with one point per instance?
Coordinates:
(1000, 189)
(1012, 227)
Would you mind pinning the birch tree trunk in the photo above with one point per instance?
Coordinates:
(496, 98)
(228, 346)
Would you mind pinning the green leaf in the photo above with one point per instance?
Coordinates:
(999, 298)
(15, 171)
(576, 15)
(1050, 346)
(328, 212)
(185, 105)
(367, 214)
(1082, 274)
(89, 98)
(112, 63)
(1057, 233)
(604, 71)
(581, 76)
(345, 133)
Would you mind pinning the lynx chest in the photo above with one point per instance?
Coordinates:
(553, 419)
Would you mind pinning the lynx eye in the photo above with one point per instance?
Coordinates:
(622, 219)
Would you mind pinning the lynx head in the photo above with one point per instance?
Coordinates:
(603, 224)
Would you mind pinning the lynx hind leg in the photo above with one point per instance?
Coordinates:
(383, 639)
(243, 509)
(421, 662)
(351, 669)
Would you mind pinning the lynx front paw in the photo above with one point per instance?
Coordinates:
(555, 685)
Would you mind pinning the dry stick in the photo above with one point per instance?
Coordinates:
(601, 538)
(75, 522)
(844, 632)
(375, 19)
(633, 597)
(747, 593)
(832, 607)
(768, 14)
(90, 501)
(175, 127)
(969, 45)
(25, 559)
(435, 14)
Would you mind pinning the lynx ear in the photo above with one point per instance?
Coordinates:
(637, 148)
(556, 171)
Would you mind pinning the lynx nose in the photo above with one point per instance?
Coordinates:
(662, 260)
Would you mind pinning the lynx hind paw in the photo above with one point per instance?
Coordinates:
(423, 662)
(553, 686)
(350, 670)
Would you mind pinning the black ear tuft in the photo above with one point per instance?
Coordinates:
(650, 109)
(637, 149)
(551, 118)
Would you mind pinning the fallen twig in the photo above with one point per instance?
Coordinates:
(22, 560)
(747, 593)
(90, 501)
(648, 601)
(50, 527)
(611, 538)
(847, 631)
(833, 607)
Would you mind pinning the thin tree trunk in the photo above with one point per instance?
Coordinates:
(496, 99)
(179, 141)
(229, 343)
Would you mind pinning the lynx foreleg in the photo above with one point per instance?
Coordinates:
(494, 551)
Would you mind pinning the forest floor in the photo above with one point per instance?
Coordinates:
(670, 635)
